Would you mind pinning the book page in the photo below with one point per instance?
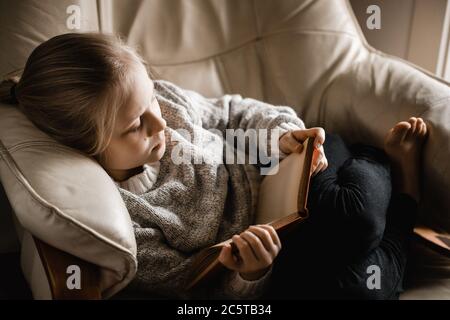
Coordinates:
(278, 193)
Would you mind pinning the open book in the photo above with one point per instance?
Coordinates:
(281, 203)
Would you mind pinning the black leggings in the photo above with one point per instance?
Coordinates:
(354, 244)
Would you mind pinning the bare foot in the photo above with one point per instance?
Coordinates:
(403, 145)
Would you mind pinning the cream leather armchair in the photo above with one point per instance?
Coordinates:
(308, 54)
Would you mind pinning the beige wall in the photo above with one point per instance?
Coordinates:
(410, 29)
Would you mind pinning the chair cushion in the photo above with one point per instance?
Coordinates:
(66, 199)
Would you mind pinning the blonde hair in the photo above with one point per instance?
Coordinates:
(73, 86)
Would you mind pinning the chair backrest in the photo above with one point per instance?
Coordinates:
(285, 53)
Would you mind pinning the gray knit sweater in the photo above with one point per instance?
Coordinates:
(178, 209)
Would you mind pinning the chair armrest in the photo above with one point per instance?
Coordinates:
(56, 262)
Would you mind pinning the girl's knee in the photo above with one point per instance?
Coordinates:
(356, 190)
(369, 182)
(364, 195)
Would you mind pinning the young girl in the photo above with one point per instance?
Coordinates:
(93, 93)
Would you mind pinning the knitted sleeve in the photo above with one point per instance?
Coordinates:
(164, 271)
(236, 112)
(235, 287)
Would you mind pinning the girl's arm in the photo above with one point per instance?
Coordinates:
(236, 112)
(164, 270)
(233, 112)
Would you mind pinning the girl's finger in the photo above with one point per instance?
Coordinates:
(317, 157)
(273, 234)
(289, 144)
(319, 167)
(316, 168)
(265, 237)
(317, 133)
(325, 164)
(256, 245)
(227, 259)
(245, 251)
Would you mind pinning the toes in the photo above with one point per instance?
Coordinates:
(397, 133)
(422, 131)
(419, 125)
(412, 120)
(413, 130)
(425, 129)
(401, 129)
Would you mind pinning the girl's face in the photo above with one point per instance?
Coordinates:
(138, 136)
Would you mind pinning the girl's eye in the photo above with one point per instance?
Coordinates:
(136, 129)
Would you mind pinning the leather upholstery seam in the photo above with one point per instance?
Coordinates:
(252, 42)
(27, 144)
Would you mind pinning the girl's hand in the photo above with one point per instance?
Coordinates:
(256, 247)
(292, 141)
(320, 162)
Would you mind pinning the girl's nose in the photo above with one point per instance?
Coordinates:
(155, 123)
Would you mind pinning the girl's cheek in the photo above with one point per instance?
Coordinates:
(143, 143)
